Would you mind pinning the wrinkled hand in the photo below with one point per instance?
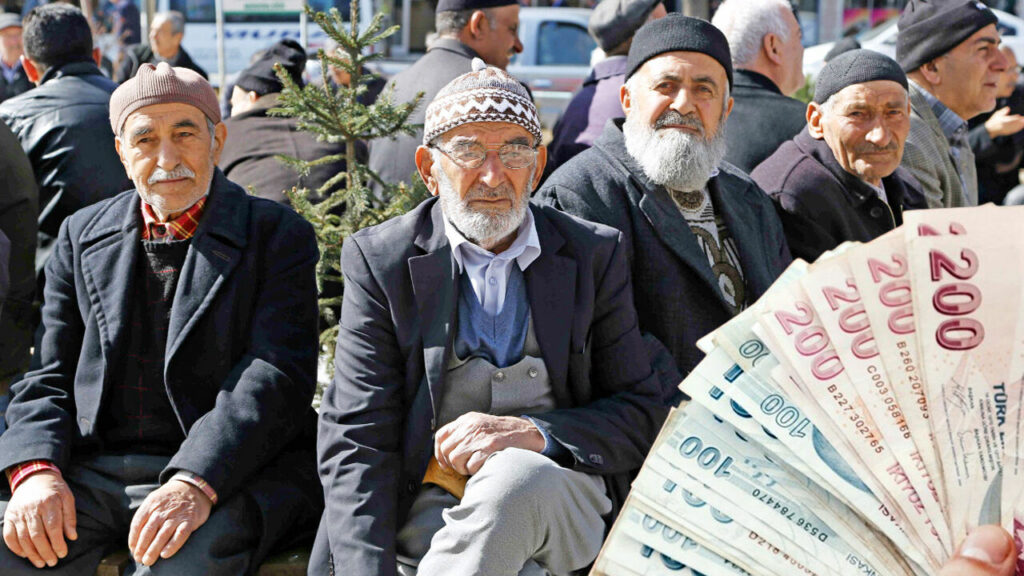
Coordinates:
(38, 517)
(464, 445)
(987, 551)
(167, 517)
(1002, 123)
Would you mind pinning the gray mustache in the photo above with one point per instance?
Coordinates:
(179, 171)
(672, 117)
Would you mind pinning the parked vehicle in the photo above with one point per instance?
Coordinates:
(882, 38)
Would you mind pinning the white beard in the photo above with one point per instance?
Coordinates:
(482, 228)
(672, 158)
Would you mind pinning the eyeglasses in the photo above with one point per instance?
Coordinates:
(471, 155)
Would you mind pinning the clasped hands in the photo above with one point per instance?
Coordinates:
(464, 444)
(41, 514)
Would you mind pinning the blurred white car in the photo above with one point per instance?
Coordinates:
(882, 38)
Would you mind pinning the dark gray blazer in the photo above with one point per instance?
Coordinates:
(379, 414)
(241, 353)
(394, 159)
(676, 294)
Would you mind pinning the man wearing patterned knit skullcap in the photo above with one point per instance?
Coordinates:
(172, 411)
(491, 393)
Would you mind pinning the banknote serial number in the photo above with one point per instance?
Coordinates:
(783, 510)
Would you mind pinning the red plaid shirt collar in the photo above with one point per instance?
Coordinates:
(181, 228)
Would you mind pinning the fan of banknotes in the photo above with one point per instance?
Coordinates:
(859, 419)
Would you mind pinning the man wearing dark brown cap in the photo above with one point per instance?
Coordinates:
(950, 52)
(466, 29)
(172, 411)
(255, 138)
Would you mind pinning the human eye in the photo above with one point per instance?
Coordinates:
(467, 152)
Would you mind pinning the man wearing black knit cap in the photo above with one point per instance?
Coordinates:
(704, 239)
(950, 52)
(465, 29)
(840, 178)
(255, 138)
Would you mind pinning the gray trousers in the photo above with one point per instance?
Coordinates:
(108, 490)
(522, 514)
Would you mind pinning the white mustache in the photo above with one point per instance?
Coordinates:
(161, 175)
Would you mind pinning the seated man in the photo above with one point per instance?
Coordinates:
(493, 340)
(840, 178)
(172, 410)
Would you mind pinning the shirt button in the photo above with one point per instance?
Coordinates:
(160, 229)
(876, 212)
(411, 487)
(492, 281)
(532, 372)
(499, 376)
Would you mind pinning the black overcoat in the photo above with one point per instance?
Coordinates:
(762, 119)
(676, 294)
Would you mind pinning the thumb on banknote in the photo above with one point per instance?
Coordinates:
(987, 551)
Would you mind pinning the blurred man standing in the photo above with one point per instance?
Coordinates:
(950, 52)
(13, 80)
(612, 25)
(487, 29)
(165, 35)
(764, 38)
(997, 138)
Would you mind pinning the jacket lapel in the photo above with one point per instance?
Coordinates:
(215, 251)
(551, 288)
(436, 290)
(110, 250)
(744, 225)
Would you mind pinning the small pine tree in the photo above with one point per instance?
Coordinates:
(335, 114)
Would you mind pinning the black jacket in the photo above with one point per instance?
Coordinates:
(19, 205)
(19, 85)
(821, 204)
(250, 154)
(394, 159)
(676, 294)
(139, 54)
(762, 119)
(63, 126)
(998, 160)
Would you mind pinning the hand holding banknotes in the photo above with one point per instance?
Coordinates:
(987, 551)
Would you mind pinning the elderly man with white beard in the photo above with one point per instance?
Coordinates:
(492, 394)
(704, 240)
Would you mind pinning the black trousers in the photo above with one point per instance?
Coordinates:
(108, 490)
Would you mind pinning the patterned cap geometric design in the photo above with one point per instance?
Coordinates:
(487, 94)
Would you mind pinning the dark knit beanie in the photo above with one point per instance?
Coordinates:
(162, 84)
(678, 33)
(260, 78)
(930, 28)
(613, 22)
(450, 5)
(856, 67)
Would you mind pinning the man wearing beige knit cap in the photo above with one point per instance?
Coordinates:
(172, 412)
(491, 393)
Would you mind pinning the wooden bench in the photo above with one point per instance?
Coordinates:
(291, 563)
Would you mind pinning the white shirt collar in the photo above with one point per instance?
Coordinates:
(524, 249)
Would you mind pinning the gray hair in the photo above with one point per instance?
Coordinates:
(745, 23)
(177, 20)
(451, 22)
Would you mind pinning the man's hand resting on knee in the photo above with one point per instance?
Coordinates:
(464, 444)
(167, 517)
(38, 517)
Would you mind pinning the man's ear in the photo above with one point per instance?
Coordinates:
(31, 72)
(931, 72)
(625, 99)
(97, 56)
(772, 47)
(424, 165)
(542, 161)
(220, 135)
(814, 127)
(478, 24)
(120, 154)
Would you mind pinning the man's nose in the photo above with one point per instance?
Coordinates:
(492, 171)
(169, 158)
